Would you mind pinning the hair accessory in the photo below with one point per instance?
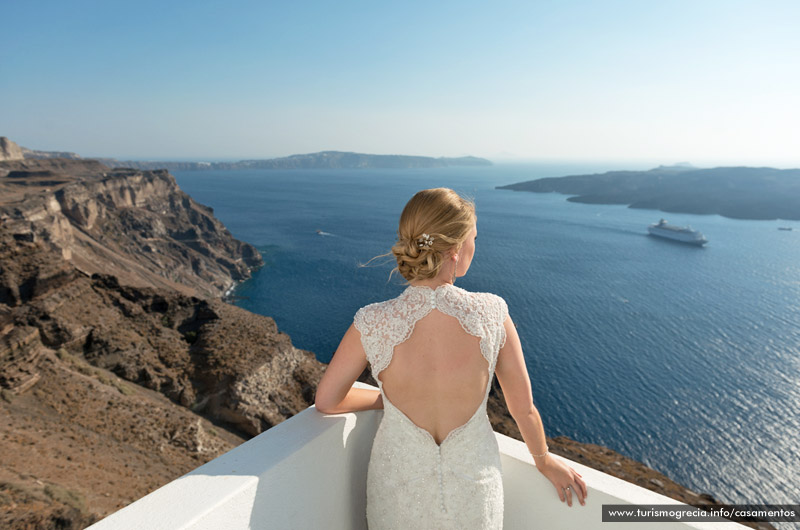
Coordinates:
(425, 241)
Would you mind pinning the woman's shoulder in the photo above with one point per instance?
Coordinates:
(480, 295)
(377, 306)
(492, 302)
(372, 314)
(369, 308)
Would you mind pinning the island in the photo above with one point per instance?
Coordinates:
(321, 160)
(758, 193)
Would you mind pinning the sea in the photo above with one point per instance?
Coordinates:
(681, 357)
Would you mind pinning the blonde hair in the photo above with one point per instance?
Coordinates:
(442, 214)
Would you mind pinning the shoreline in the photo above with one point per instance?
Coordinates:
(746, 193)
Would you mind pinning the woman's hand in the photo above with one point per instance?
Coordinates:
(565, 479)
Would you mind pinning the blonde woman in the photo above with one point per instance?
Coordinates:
(433, 350)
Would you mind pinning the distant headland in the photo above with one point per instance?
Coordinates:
(758, 193)
(322, 160)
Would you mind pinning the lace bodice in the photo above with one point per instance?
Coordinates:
(384, 325)
(412, 481)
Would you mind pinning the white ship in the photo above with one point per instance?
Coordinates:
(684, 234)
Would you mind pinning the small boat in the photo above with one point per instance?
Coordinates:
(682, 234)
(784, 228)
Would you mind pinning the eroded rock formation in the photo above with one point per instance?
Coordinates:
(120, 367)
(136, 225)
(9, 150)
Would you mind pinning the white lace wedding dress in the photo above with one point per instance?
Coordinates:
(413, 482)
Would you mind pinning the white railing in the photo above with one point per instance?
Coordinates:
(310, 472)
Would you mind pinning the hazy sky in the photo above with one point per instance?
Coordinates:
(668, 81)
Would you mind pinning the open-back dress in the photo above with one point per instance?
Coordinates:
(413, 482)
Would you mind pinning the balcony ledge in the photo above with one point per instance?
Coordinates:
(310, 472)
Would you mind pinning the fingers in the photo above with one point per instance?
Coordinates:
(582, 488)
(579, 488)
(575, 485)
(580, 492)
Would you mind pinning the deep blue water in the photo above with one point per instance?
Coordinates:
(685, 358)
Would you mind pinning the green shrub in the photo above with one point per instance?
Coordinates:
(66, 496)
(21, 491)
(125, 390)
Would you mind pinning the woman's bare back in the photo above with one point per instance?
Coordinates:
(437, 377)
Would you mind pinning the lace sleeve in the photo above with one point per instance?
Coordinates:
(503, 311)
(358, 321)
(368, 321)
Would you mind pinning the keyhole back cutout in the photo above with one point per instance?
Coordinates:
(437, 377)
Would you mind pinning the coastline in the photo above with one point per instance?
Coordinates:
(746, 193)
(114, 341)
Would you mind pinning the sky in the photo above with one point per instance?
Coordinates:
(699, 81)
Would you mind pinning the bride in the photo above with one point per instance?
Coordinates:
(433, 351)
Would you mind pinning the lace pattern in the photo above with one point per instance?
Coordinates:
(384, 325)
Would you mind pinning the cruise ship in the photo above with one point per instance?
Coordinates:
(683, 234)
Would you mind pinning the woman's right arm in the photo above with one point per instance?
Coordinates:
(512, 374)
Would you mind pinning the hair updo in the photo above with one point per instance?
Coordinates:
(442, 214)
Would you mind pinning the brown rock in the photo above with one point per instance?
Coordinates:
(136, 225)
(9, 150)
(113, 380)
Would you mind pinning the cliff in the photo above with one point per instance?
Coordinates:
(735, 192)
(136, 225)
(120, 367)
(9, 150)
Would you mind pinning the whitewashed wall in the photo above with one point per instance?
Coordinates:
(310, 472)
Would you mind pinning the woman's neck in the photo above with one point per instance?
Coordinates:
(446, 275)
(433, 283)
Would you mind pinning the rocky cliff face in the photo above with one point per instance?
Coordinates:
(120, 367)
(9, 150)
(33, 153)
(136, 225)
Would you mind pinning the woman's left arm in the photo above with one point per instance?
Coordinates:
(335, 393)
